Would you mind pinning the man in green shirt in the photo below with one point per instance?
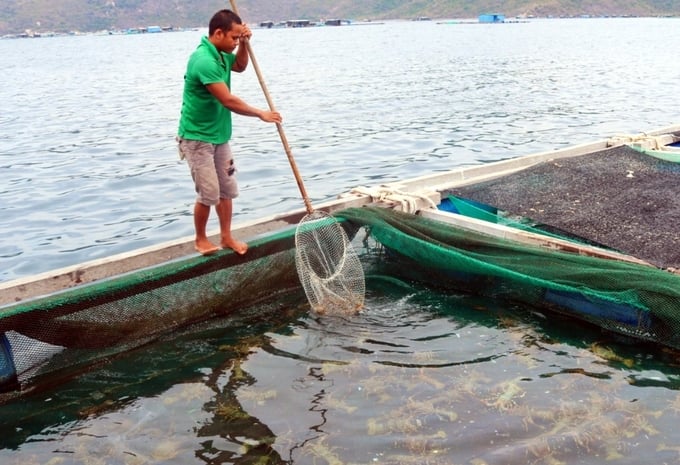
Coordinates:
(205, 125)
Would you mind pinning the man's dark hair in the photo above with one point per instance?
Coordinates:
(223, 19)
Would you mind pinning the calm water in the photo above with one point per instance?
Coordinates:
(89, 168)
(88, 161)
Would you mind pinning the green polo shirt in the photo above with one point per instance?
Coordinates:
(203, 117)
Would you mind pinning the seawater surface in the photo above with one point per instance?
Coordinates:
(88, 160)
(419, 376)
(89, 168)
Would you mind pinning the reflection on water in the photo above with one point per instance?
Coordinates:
(418, 377)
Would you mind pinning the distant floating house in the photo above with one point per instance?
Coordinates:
(337, 22)
(153, 29)
(299, 23)
(491, 18)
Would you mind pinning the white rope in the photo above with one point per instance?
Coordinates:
(407, 200)
(625, 139)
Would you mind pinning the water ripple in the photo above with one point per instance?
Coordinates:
(88, 152)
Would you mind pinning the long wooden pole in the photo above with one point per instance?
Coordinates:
(279, 126)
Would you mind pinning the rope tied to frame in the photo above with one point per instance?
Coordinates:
(410, 201)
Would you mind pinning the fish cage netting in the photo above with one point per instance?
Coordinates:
(43, 337)
(634, 300)
(620, 197)
(49, 337)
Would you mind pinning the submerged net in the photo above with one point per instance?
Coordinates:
(329, 268)
(629, 299)
(48, 337)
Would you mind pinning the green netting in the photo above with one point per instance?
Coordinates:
(627, 298)
(135, 305)
(88, 323)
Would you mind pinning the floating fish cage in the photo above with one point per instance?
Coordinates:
(471, 238)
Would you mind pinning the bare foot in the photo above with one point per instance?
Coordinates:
(205, 247)
(237, 246)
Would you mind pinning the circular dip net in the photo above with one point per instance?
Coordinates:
(329, 268)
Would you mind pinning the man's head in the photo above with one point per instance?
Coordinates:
(224, 30)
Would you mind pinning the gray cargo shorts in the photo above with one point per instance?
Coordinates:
(212, 169)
